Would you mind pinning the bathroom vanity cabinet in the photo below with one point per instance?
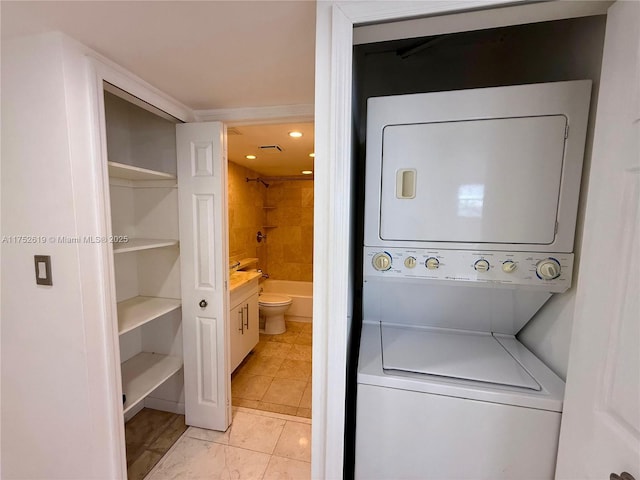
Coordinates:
(243, 316)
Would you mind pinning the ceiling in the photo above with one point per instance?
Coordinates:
(290, 160)
(206, 54)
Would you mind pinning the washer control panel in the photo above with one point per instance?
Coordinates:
(551, 271)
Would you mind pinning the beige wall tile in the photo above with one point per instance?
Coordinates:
(290, 243)
(246, 215)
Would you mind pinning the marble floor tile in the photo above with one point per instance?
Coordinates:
(276, 357)
(285, 391)
(295, 442)
(260, 345)
(197, 459)
(250, 387)
(277, 408)
(247, 430)
(263, 365)
(307, 327)
(299, 352)
(294, 326)
(305, 401)
(276, 349)
(304, 338)
(265, 413)
(303, 412)
(289, 336)
(243, 402)
(208, 435)
(280, 468)
(294, 369)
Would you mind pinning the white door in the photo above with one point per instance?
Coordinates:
(202, 187)
(600, 431)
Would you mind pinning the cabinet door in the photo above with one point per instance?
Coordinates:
(202, 194)
(236, 330)
(251, 323)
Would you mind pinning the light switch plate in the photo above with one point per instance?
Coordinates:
(43, 269)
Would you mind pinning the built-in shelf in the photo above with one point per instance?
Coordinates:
(128, 172)
(135, 244)
(144, 373)
(137, 311)
(246, 262)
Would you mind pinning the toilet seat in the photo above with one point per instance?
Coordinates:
(273, 300)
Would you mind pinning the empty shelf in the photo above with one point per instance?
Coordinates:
(137, 311)
(144, 373)
(129, 172)
(135, 244)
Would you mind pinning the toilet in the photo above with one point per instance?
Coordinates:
(272, 307)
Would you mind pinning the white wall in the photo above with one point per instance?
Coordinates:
(543, 52)
(55, 364)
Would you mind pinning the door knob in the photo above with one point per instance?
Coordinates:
(203, 303)
(622, 476)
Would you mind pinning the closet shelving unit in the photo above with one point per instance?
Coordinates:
(144, 208)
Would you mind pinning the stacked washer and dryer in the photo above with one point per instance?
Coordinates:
(470, 215)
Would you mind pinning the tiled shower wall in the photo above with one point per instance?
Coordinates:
(290, 232)
(246, 215)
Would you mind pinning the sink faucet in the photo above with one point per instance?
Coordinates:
(264, 275)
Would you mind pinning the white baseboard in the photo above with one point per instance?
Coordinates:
(133, 412)
(164, 405)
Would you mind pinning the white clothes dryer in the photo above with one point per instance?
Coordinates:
(470, 211)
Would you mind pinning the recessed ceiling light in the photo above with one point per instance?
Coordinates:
(250, 157)
(312, 154)
(307, 172)
(295, 134)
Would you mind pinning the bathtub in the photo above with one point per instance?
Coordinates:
(301, 309)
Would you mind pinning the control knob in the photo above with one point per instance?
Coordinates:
(509, 266)
(432, 263)
(381, 261)
(410, 262)
(548, 269)
(481, 265)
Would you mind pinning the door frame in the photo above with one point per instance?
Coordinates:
(102, 70)
(332, 286)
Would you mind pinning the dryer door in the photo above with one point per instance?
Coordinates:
(473, 181)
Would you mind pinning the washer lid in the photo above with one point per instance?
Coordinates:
(452, 353)
(273, 299)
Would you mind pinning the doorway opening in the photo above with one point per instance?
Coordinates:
(270, 196)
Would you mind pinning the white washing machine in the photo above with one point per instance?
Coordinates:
(470, 210)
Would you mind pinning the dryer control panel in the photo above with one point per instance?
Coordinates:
(549, 271)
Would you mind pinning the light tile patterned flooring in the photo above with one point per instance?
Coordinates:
(258, 445)
(276, 376)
